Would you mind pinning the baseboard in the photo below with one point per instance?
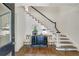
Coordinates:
(18, 49)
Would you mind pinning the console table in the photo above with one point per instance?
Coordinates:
(39, 40)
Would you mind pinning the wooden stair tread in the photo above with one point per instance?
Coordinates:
(64, 39)
(66, 42)
(68, 47)
(63, 35)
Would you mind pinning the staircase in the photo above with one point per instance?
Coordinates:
(62, 42)
(65, 44)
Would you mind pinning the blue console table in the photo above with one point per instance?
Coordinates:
(39, 40)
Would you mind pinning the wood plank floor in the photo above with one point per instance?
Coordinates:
(44, 51)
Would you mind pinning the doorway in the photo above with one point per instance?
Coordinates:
(6, 30)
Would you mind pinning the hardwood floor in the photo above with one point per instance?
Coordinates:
(44, 51)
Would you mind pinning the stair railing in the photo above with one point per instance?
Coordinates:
(47, 19)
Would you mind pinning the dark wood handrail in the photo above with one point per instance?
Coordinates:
(46, 18)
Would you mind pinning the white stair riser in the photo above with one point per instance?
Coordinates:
(63, 49)
(65, 44)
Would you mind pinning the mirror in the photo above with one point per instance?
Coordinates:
(5, 25)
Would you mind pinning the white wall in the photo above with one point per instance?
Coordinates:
(20, 27)
(29, 24)
(68, 23)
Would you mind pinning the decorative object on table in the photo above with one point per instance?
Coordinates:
(34, 32)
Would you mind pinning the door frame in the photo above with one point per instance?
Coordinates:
(11, 6)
